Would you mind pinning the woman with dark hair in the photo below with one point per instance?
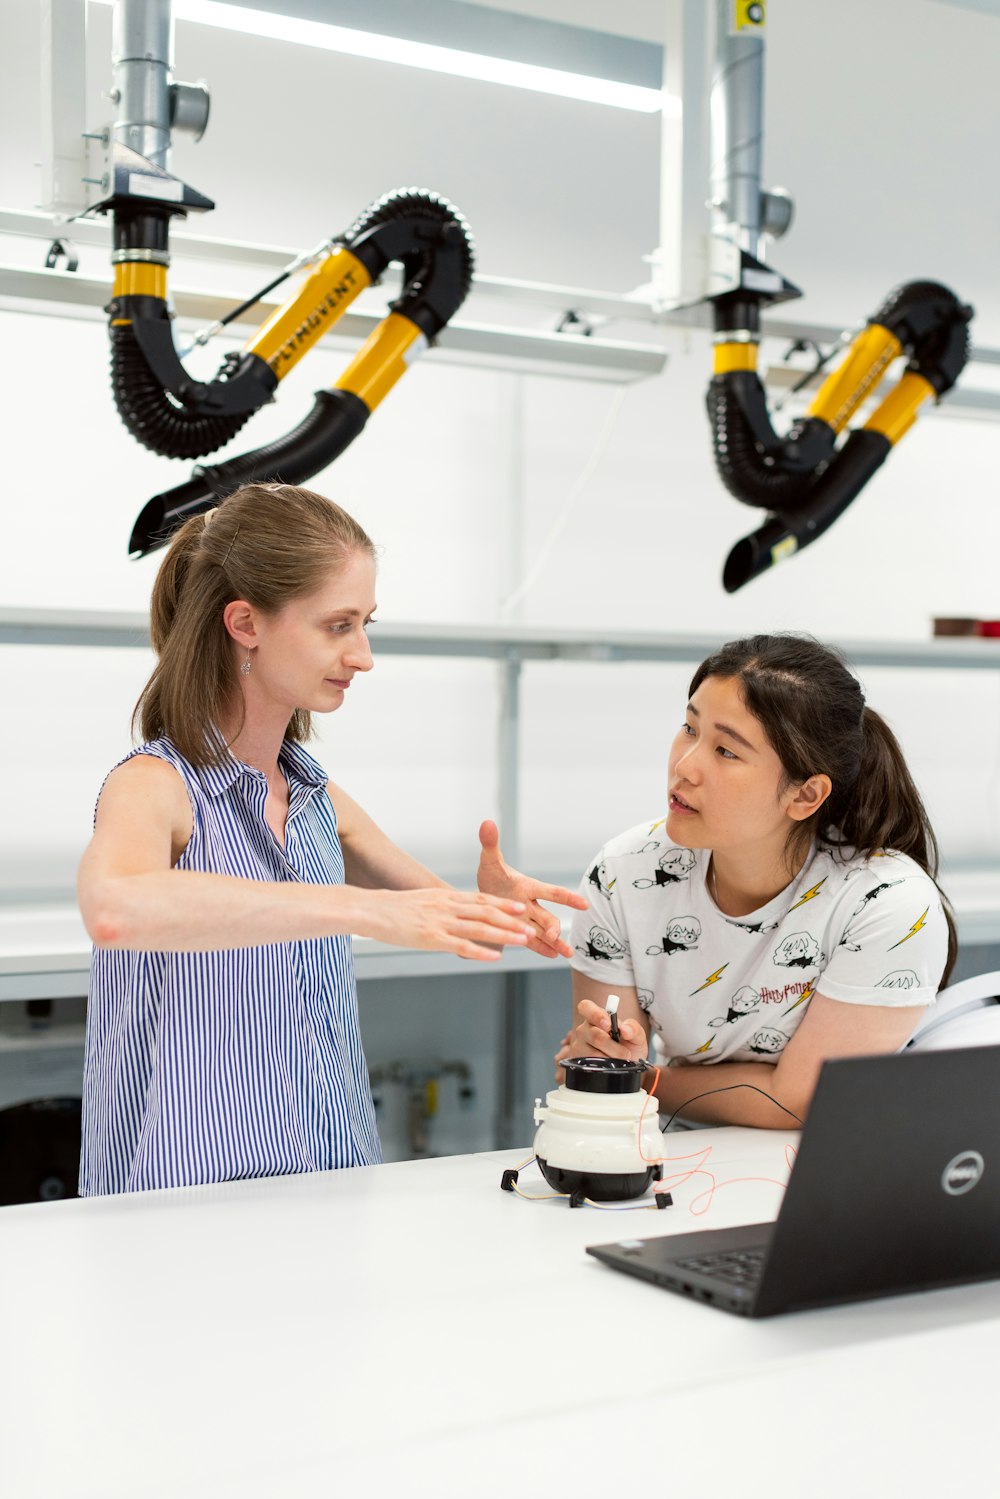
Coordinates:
(226, 872)
(785, 910)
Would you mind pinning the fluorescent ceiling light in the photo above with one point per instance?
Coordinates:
(369, 44)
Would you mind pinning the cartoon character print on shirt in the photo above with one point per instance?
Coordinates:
(800, 950)
(602, 944)
(673, 867)
(743, 1002)
(645, 998)
(599, 876)
(900, 978)
(681, 936)
(768, 1042)
(755, 928)
(847, 939)
(860, 869)
(647, 848)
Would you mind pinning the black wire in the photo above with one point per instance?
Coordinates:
(730, 1088)
(822, 360)
(252, 302)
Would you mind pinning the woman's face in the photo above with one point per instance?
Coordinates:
(724, 777)
(310, 651)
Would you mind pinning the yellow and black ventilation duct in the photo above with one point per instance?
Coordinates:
(179, 417)
(805, 480)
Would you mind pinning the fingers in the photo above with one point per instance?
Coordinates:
(477, 954)
(544, 950)
(561, 896)
(484, 931)
(489, 836)
(509, 915)
(594, 1032)
(594, 1014)
(548, 933)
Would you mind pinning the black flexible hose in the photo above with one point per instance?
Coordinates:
(750, 473)
(433, 242)
(152, 415)
(333, 423)
(843, 481)
(803, 479)
(780, 474)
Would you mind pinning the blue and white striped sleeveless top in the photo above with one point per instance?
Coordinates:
(214, 1066)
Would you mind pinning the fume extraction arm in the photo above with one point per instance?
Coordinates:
(158, 400)
(804, 479)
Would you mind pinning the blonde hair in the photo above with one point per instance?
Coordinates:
(266, 543)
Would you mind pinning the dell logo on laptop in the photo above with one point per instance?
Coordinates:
(962, 1173)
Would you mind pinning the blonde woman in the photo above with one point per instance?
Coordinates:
(226, 872)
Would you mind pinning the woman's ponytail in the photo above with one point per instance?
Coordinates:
(169, 583)
(883, 809)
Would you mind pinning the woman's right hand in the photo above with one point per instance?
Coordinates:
(471, 925)
(591, 1037)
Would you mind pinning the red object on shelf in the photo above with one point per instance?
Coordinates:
(988, 627)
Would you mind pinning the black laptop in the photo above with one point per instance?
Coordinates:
(896, 1187)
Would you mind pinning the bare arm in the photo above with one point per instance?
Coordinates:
(131, 895)
(830, 1029)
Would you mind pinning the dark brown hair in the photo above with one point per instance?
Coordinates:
(812, 709)
(266, 543)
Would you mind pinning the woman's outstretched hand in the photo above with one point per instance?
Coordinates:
(497, 878)
(444, 920)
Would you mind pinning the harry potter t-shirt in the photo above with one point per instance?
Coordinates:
(867, 931)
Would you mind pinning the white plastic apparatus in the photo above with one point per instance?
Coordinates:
(599, 1135)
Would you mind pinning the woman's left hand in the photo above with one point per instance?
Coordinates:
(497, 878)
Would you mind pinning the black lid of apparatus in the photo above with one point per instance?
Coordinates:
(602, 1075)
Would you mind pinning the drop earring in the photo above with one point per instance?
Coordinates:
(246, 668)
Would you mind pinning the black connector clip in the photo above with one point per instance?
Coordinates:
(508, 1180)
(663, 1199)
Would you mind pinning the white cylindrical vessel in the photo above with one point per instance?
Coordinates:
(599, 1133)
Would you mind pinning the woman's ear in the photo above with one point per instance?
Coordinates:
(809, 797)
(240, 622)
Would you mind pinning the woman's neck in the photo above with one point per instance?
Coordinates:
(742, 881)
(257, 740)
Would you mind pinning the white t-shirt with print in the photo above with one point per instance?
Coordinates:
(867, 931)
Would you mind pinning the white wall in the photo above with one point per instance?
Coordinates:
(888, 187)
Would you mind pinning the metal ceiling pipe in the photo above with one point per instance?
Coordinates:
(141, 58)
(737, 132)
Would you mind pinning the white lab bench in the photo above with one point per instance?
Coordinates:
(411, 1329)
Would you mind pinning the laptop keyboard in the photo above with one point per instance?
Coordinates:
(737, 1267)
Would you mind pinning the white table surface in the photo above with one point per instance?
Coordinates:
(410, 1329)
